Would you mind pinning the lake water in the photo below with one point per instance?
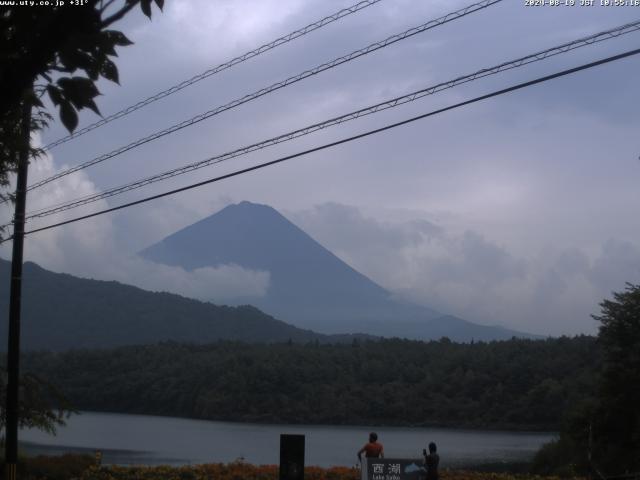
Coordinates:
(145, 439)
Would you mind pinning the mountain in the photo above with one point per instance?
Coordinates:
(60, 311)
(309, 286)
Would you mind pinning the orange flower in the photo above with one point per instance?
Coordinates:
(245, 471)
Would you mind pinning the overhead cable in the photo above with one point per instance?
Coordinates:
(276, 86)
(212, 71)
(387, 104)
(343, 141)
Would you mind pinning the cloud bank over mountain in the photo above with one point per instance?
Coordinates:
(440, 264)
(89, 249)
(520, 210)
(550, 291)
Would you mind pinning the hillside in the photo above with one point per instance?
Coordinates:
(309, 286)
(61, 311)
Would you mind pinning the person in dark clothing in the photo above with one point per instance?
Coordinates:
(373, 449)
(431, 461)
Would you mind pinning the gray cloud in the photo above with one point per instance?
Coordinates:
(90, 250)
(473, 257)
(465, 273)
(618, 261)
(358, 231)
(516, 210)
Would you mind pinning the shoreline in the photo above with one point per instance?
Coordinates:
(141, 439)
(462, 428)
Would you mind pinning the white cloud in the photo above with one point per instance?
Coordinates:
(535, 191)
(209, 30)
(466, 274)
(222, 284)
(88, 248)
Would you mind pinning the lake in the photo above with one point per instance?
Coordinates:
(145, 439)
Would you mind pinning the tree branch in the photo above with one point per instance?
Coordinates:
(106, 5)
(119, 14)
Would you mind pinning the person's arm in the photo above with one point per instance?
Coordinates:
(360, 452)
(381, 451)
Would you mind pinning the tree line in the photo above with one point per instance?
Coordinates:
(585, 387)
(600, 432)
(516, 384)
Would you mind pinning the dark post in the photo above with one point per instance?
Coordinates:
(589, 454)
(13, 355)
(291, 457)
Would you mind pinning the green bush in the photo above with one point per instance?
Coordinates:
(557, 458)
(62, 467)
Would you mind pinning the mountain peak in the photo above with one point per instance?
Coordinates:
(250, 235)
(309, 286)
(247, 206)
(243, 211)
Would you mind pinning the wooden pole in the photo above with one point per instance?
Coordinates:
(13, 352)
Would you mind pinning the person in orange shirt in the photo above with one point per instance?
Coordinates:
(373, 449)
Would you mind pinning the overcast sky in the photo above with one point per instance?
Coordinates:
(520, 211)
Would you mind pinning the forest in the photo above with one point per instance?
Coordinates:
(516, 384)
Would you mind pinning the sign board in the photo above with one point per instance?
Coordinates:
(291, 457)
(393, 469)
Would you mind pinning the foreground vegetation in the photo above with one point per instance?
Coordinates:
(521, 384)
(589, 386)
(600, 434)
(265, 472)
(41, 467)
(82, 467)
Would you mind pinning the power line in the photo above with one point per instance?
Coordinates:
(344, 140)
(392, 103)
(276, 86)
(212, 71)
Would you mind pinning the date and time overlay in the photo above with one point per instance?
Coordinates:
(581, 3)
(526, 3)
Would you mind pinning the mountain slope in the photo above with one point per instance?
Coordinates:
(60, 311)
(309, 286)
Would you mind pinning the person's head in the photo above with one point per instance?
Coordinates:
(373, 437)
(432, 448)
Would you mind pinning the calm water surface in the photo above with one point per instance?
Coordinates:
(145, 439)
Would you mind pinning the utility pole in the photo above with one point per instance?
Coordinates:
(13, 352)
(589, 455)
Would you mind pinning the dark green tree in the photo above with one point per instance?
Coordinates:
(617, 423)
(42, 405)
(61, 52)
(601, 432)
